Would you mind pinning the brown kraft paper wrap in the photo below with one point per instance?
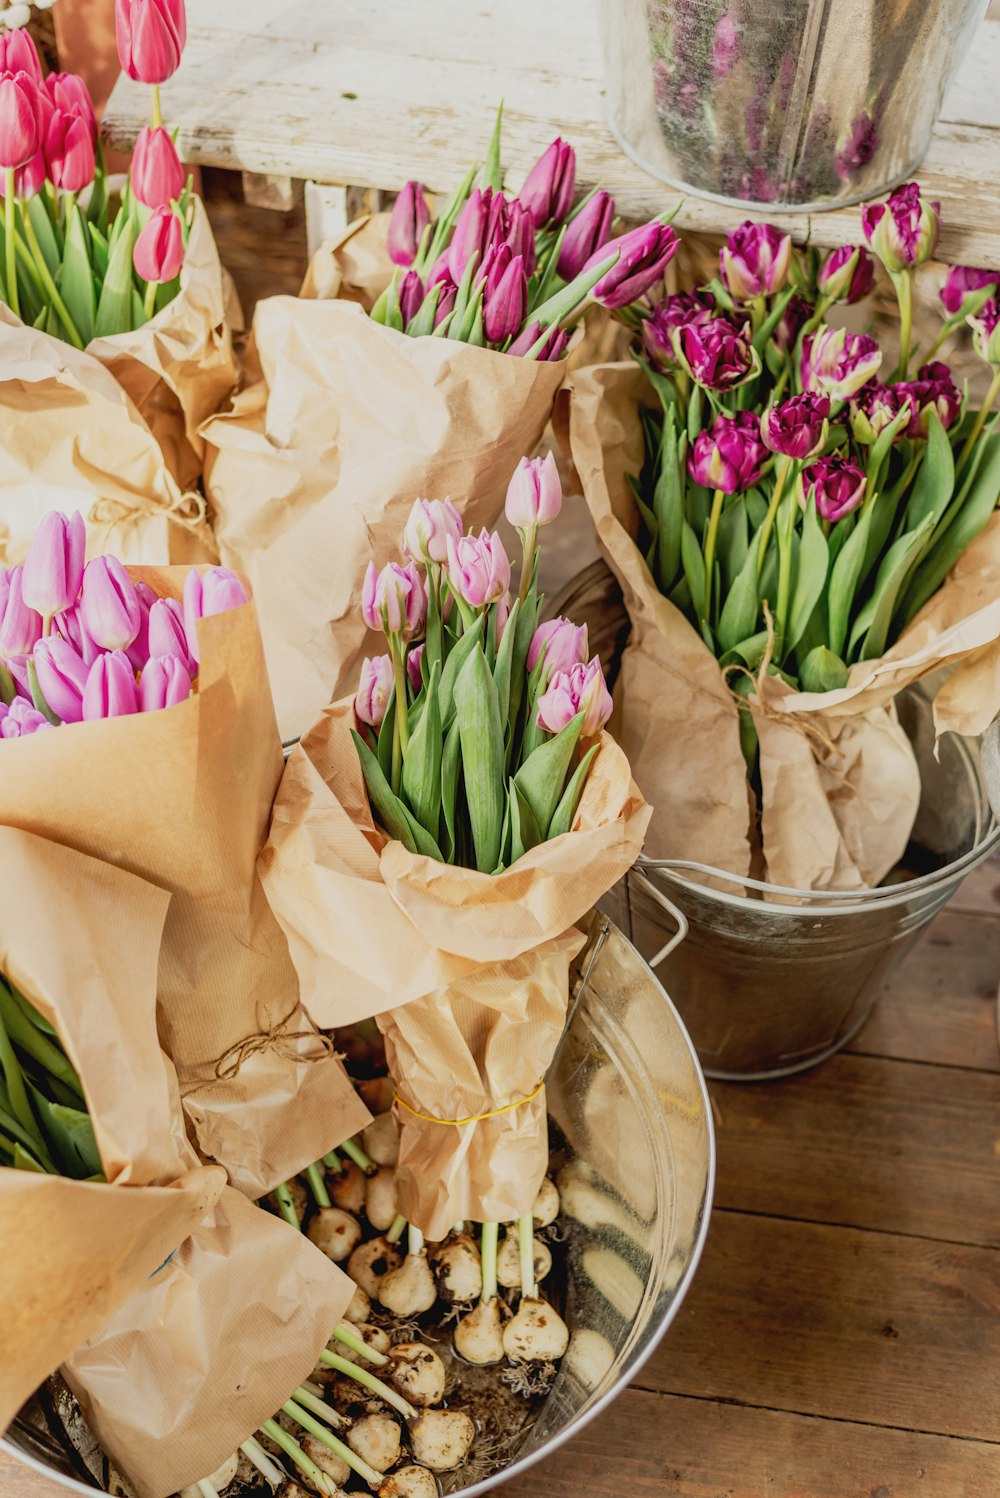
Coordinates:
(316, 468)
(182, 797)
(840, 782)
(80, 940)
(481, 961)
(355, 266)
(73, 440)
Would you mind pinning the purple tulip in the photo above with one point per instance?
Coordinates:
(755, 260)
(109, 606)
(548, 187)
(715, 353)
(874, 408)
(673, 312)
(534, 494)
(505, 303)
(729, 456)
(214, 591)
(394, 600)
(798, 427)
(411, 296)
(836, 485)
(110, 691)
(69, 626)
(847, 275)
(20, 626)
(164, 682)
(529, 335)
(794, 318)
(415, 666)
(430, 523)
(168, 634)
(374, 690)
(903, 232)
(20, 719)
(961, 281)
(62, 677)
(585, 232)
(644, 255)
(985, 325)
(483, 221)
(138, 651)
(581, 689)
(439, 271)
(837, 363)
(564, 643)
(478, 568)
(407, 222)
(933, 389)
(53, 568)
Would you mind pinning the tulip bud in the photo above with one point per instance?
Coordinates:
(53, 568)
(505, 304)
(874, 408)
(798, 427)
(985, 325)
(68, 148)
(138, 651)
(481, 223)
(548, 187)
(69, 93)
(534, 494)
(644, 255)
(20, 133)
(932, 390)
(69, 626)
(794, 318)
(431, 522)
(673, 312)
(564, 644)
(962, 281)
(110, 691)
(159, 250)
(394, 600)
(836, 485)
(164, 682)
(529, 335)
(157, 173)
(755, 260)
(109, 605)
(478, 568)
(407, 222)
(581, 689)
(847, 275)
(715, 353)
(62, 677)
(20, 719)
(374, 690)
(411, 296)
(168, 633)
(837, 363)
(729, 456)
(18, 54)
(903, 232)
(214, 591)
(20, 626)
(518, 226)
(151, 36)
(415, 666)
(585, 233)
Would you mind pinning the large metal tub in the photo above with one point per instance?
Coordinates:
(628, 1096)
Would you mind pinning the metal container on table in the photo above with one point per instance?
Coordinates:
(628, 1097)
(781, 104)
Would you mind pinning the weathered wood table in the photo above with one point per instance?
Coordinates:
(371, 94)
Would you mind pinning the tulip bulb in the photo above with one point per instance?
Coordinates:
(409, 1482)
(546, 1207)
(418, 1373)
(478, 1337)
(509, 1261)
(409, 1290)
(376, 1439)
(441, 1439)
(371, 1262)
(381, 1139)
(459, 1270)
(380, 1198)
(535, 1333)
(335, 1233)
(348, 1188)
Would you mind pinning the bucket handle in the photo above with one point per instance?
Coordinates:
(649, 888)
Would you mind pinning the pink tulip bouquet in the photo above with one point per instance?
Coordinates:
(800, 499)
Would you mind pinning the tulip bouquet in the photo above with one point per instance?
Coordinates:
(436, 836)
(796, 501)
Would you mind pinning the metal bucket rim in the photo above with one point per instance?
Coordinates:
(71, 1485)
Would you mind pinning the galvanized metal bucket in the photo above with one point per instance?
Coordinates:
(781, 104)
(629, 1099)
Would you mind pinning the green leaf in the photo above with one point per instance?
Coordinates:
(935, 482)
(527, 623)
(492, 169)
(457, 657)
(822, 671)
(524, 833)
(740, 610)
(464, 330)
(385, 736)
(845, 575)
(733, 541)
(422, 762)
(562, 817)
(963, 529)
(76, 282)
(15, 1133)
(450, 769)
(693, 563)
(70, 1136)
(668, 505)
(504, 664)
(114, 310)
(542, 777)
(390, 811)
(464, 293)
(421, 325)
(29, 1011)
(97, 207)
(435, 243)
(882, 446)
(35, 1044)
(810, 577)
(568, 299)
(24, 1161)
(44, 232)
(478, 716)
(891, 574)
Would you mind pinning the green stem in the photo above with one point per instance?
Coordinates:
(47, 281)
(528, 538)
(24, 255)
(286, 1206)
(333, 1162)
(317, 1186)
(781, 474)
(398, 1228)
(947, 330)
(149, 300)
(488, 1253)
(526, 1245)
(353, 1151)
(157, 109)
(316, 1406)
(290, 1446)
(980, 421)
(718, 500)
(368, 1381)
(903, 282)
(414, 1240)
(784, 582)
(302, 1417)
(400, 721)
(349, 1338)
(9, 206)
(68, 204)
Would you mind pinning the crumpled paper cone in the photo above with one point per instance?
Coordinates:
(80, 940)
(480, 962)
(183, 798)
(314, 471)
(355, 266)
(839, 779)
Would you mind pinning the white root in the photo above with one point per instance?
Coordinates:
(535, 1333)
(360, 1307)
(441, 1439)
(418, 1373)
(371, 1262)
(458, 1269)
(347, 1188)
(478, 1337)
(546, 1208)
(509, 1261)
(326, 1460)
(335, 1233)
(409, 1290)
(380, 1198)
(409, 1482)
(376, 1439)
(381, 1139)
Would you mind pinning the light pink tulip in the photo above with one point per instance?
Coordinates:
(582, 689)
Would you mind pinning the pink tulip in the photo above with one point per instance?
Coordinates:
(837, 363)
(168, 634)
(159, 250)
(20, 626)
(548, 187)
(394, 600)
(534, 494)
(20, 129)
(20, 719)
(644, 255)
(138, 651)
(505, 300)
(755, 260)
(985, 325)
(415, 667)
(411, 296)
(836, 485)
(430, 523)
(151, 36)
(109, 605)
(69, 151)
(18, 54)
(62, 677)
(407, 222)
(903, 232)
(69, 93)
(673, 312)
(69, 626)
(581, 689)
(478, 569)
(110, 691)
(374, 690)
(214, 591)
(715, 352)
(564, 644)
(932, 390)
(157, 173)
(529, 335)
(164, 682)
(53, 568)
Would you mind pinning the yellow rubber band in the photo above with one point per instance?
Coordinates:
(458, 1123)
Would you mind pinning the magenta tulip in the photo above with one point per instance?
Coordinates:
(564, 644)
(932, 390)
(534, 494)
(20, 128)
(715, 353)
(20, 625)
(109, 604)
(554, 347)
(585, 233)
(430, 523)
(411, 296)
(68, 148)
(53, 568)
(214, 591)
(903, 232)
(790, 324)
(110, 691)
(159, 250)
(157, 173)
(481, 223)
(798, 427)
(581, 689)
(985, 325)
(847, 275)
(837, 363)
(407, 222)
(729, 456)
(548, 187)
(62, 677)
(962, 281)
(835, 485)
(151, 36)
(876, 407)
(69, 93)
(18, 54)
(20, 719)
(518, 228)
(164, 682)
(754, 261)
(673, 312)
(505, 301)
(374, 690)
(644, 255)
(478, 568)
